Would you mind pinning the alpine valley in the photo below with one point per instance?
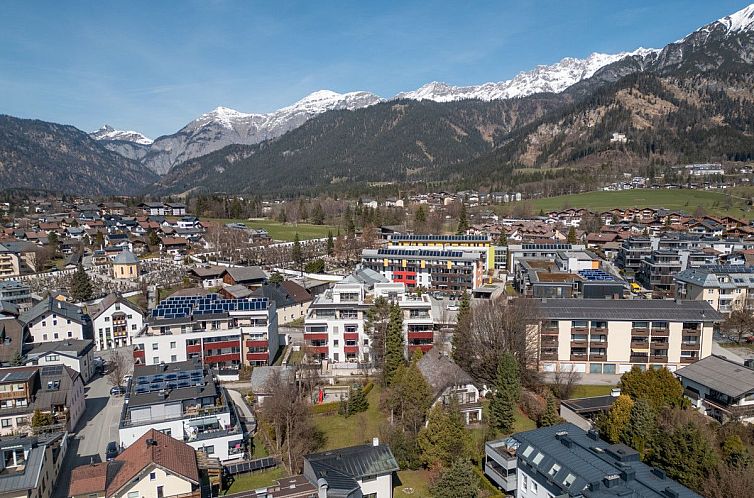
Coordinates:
(692, 100)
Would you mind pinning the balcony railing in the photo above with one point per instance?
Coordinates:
(689, 359)
(579, 356)
(639, 358)
(689, 346)
(658, 358)
(640, 344)
(640, 332)
(597, 357)
(549, 355)
(660, 332)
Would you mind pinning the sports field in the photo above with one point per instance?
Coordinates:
(283, 231)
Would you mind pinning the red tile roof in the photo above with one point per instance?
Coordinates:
(88, 479)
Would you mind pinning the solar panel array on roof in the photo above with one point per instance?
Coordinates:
(727, 269)
(441, 238)
(171, 380)
(420, 253)
(211, 304)
(546, 247)
(596, 275)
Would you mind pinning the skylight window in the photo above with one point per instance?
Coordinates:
(528, 451)
(538, 458)
(554, 470)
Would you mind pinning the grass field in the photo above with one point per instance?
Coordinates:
(254, 480)
(283, 231)
(590, 391)
(413, 484)
(340, 431)
(714, 202)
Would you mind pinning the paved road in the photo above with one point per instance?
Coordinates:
(97, 426)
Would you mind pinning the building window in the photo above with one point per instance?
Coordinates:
(155, 346)
(44, 337)
(133, 494)
(107, 318)
(210, 450)
(172, 345)
(554, 470)
(173, 358)
(53, 357)
(21, 421)
(153, 476)
(524, 487)
(156, 360)
(55, 335)
(167, 432)
(534, 488)
(133, 326)
(6, 422)
(70, 334)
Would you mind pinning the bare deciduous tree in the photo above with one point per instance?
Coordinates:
(495, 327)
(564, 382)
(289, 420)
(118, 366)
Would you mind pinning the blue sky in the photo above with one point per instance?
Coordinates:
(153, 66)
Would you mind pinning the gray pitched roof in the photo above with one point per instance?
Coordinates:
(604, 469)
(29, 478)
(125, 258)
(341, 468)
(441, 372)
(721, 374)
(67, 347)
(246, 273)
(627, 310)
(362, 275)
(50, 305)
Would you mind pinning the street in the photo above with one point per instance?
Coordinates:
(97, 427)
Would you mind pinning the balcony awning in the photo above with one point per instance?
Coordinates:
(204, 421)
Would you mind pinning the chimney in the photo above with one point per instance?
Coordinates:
(375, 441)
(322, 487)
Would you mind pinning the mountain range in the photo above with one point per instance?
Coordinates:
(332, 139)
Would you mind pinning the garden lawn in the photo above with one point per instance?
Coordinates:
(357, 429)
(585, 391)
(712, 201)
(254, 480)
(283, 231)
(415, 482)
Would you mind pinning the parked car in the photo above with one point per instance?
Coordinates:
(117, 391)
(453, 307)
(112, 450)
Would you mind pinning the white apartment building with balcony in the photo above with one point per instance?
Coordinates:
(221, 333)
(725, 288)
(116, 322)
(611, 336)
(335, 325)
(181, 400)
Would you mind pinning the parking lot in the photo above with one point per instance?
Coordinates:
(98, 426)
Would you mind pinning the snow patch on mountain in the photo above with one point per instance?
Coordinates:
(547, 78)
(743, 20)
(107, 132)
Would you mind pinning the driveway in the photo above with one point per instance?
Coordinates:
(97, 426)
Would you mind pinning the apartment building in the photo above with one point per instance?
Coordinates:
(221, 333)
(568, 462)
(475, 243)
(451, 269)
(155, 466)
(116, 321)
(335, 325)
(30, 465)
(657, 272)
(52, 320)
(632, 252)
(181, 400)
(16, 293)
(725, 287)
(611, 336)
(10, 263)
(56, 389)
(720, 388)
(538, 251)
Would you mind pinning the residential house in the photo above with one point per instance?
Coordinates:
(250, 276)
(175, 209)
(292, 301)
(725, 287)
(365, 470)
(720, 388)
(449, 381)
(31, 464)
(173, 245)
(116, 321)
(54, 320)
(208, 276)
(75, 354)
(153, 208)
(155, 466)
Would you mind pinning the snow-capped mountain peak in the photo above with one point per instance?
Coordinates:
(107, 132)
(546, 78)
(743, 20)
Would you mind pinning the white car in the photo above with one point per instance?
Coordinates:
(452, 307)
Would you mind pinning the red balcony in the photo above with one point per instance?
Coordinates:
(194, 348)
(139, 355)
(219, 358)
(257, 356)
(351, 349)
(351, 336)
(256, 344)
(423, 347)
(318, 349)
(421, 334)
(221, 345)
(318, 336)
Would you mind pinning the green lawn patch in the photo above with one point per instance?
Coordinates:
(254, 480)
(712, 201)
(522, 422)
(357, 429)
(582, 391)
(411, 483)
(283, 231)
